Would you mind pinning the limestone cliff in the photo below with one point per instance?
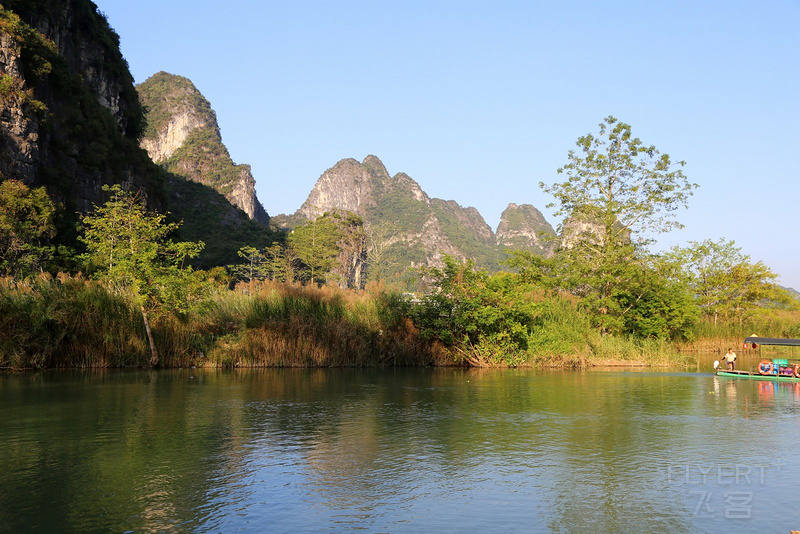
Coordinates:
(183, 136)
(70, 120)
(524, 227)
(414, 229)
(69, 115)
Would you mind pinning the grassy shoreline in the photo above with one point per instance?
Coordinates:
(71, 322)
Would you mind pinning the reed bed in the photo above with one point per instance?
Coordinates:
(69, 321)
(285, 325)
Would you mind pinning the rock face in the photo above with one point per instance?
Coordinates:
(69, 115)
(410, 228)
(183, 136)
(19, 136)
(70, 120)
(524, 227)
(348, 185)
(162, 145)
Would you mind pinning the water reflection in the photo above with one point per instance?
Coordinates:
(390, 450)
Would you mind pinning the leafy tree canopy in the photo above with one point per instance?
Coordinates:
(128, 247)
(26, 225)
(725, 281)
(634, 187)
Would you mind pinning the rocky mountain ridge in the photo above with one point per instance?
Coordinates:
(184, 137)
(70, 120)
(418, 230)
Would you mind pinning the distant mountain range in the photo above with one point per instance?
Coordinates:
(81, 124)
(415, 229)
(72, 120)
(412, 228)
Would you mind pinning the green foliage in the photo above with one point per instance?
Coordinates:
(127, 247)
(726, 282)
(633, 186)
(642, 298)
(490, 320)
(208, 217)
(315, 245)
(400, 209)
(656, 306)
(269, 263)
(26, 225)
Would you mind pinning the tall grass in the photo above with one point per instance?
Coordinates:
(711, 336)
(73, 322)
(69, 321)
(303, 326)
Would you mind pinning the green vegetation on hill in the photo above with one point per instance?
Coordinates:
(81, 144)
(400, 209)
(85, 146)
(523, 227)
(204, 158)
(163, 94)
(207, 216)
(465, 236)
(44, 65)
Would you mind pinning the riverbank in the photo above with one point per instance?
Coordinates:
(72, 322)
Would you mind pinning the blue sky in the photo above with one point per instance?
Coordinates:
(480, 101)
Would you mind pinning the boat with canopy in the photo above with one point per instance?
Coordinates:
(780, 369)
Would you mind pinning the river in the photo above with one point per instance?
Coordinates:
(397, 450)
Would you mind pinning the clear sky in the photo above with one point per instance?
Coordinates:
(480, 101)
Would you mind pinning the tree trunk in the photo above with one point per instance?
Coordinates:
(153, 349)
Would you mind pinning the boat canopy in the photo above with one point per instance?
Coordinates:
(773, 341)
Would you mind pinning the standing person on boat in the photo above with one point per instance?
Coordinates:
(729, 359)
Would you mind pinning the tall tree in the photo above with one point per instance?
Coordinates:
(314, 244)
(631, 187)
(26, 225)
(378, 237)
(128, 248)
(616, 193)
(269, 263)
(351, 266)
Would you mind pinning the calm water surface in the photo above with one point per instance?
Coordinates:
(397, 451)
